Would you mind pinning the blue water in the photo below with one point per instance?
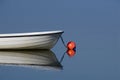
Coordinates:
(93, 24)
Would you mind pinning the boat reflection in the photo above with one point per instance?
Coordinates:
(42, 59)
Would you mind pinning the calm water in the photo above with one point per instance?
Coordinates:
(93, 24)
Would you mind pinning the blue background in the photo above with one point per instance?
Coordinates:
(93, 24)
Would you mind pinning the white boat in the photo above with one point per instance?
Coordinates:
(41, 59)
(33, 40)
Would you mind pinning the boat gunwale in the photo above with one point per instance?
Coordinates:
(29, 34)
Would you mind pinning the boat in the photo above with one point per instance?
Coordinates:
(32, 40)
(39, 59)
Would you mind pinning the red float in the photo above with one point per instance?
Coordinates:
(71, 45)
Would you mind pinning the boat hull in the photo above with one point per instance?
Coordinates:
(29, 41)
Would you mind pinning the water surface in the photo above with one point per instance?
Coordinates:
(93, 24)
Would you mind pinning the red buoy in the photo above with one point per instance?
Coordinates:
(71, 52)
(71, 45)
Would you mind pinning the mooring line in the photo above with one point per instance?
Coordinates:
(61, 59)
(63, 41)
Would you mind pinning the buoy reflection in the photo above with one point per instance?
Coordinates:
(71, 52)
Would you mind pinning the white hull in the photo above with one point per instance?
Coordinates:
(35, 40)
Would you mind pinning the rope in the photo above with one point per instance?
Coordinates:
(63, 41)
(62, 57)
(65, 46)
